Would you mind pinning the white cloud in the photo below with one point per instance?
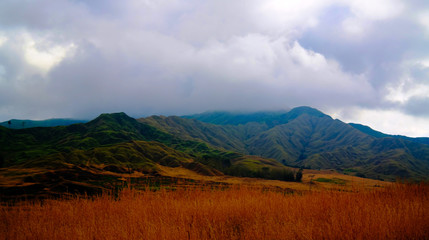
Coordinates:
(405, 90)
(411, 85)
(423, 19)
(287, 17)
(354, 26)
(3, 40)
(424, 63)
(386, 121)
(47, 56)
(243, 59)
(376, 10)
(365, 12)
(308, 58)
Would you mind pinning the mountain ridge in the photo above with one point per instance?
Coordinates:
(117, 142)
(267, 117)
(265, 145)
(368, 130)
(306, 137)
(52, 122)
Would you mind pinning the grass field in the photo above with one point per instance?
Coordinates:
(396, 211)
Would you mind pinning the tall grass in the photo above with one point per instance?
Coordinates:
(396, 212)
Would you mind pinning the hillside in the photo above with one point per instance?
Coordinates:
(226, 137)
(304, 137)
(100, 154)
(93, 155)
(269, 118)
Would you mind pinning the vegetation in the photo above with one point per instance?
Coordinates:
(305, 137)
(76, 154)
(109, 138)
(263, 145)
(331, 180)
(203, 212)
(271, 119)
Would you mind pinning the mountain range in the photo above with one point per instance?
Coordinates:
(269, 145)
(77, 156)
(54, 122)
(306, 137)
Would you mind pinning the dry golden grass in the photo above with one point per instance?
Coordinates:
(394, 212)
(308, 181)
(15, 177)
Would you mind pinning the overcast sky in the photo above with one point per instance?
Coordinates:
(363, 61)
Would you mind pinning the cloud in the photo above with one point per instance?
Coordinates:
(46, 57)
(386, 120)
(406, 90)
(68, 58)
(376, 10)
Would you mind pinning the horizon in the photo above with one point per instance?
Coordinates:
(214, 111)
(358, 61)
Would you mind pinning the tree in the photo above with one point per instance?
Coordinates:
(298, 176)
(9, 123)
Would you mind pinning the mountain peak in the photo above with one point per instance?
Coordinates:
(116, 116)
(270, 118)
(306, 110)
(115, 120)
(236, 118)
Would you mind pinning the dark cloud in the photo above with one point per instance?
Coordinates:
(379, 53)
(417, 106)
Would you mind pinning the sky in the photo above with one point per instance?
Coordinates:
(361, 61)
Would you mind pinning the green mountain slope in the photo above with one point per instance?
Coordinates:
(304, 137)
(20, 145)
(234, 130)
(266, 144)
(120, 142)
(226, 137)
(141, 156)
(227, 118)
(269, 118)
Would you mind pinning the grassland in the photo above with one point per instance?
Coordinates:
(116, 178)
(394, 211)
